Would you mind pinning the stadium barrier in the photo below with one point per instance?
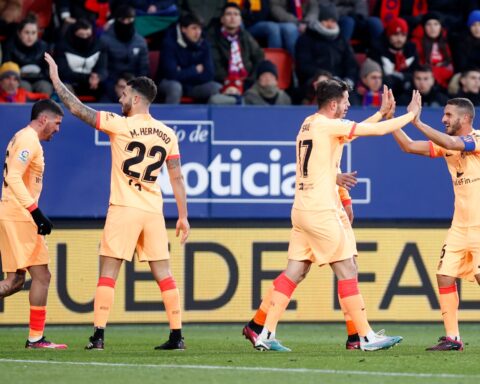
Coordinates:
(239, 162)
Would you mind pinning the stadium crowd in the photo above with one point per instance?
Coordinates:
(260, 52)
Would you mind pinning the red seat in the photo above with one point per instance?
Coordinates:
(284, 62)
(153, 61)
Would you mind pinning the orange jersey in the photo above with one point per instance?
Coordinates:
(464, 167)
(140, 145)
(318, 153)
(22, 175)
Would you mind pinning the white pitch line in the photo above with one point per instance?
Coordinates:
(256, 369)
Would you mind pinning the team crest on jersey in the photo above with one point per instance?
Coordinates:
(24, 155)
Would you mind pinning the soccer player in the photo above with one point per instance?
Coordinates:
(460, 256)
(344, 181)
(318, 235)
(23, 226)
(140, 146)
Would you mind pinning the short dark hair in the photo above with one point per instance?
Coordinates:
(230, 5)
(46, 105)
(329, 90)
(464, 104)
(31, 18)
(81, 24)
(124, 11)
(423, 68)
(145, 86)
(189, 19)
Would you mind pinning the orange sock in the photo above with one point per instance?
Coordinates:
(352, 301)
(103, 301)
(171, 300)
(283, 290)
(37, 322)
(449, 306)
(261, 314)
(351, 330)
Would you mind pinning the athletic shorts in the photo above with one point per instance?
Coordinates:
(460, 255)
(20, 245)
(318, 236)
(130, 229)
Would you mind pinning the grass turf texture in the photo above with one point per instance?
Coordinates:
(219, 354)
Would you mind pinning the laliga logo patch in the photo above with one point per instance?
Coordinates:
(23, 156)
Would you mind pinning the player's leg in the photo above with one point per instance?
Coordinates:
(120, 235)
(284, 286)
(352, 301)
(13, 283)
(38, 308)
(103, 302)
(452, 265)
(171, 300)
(252, 329)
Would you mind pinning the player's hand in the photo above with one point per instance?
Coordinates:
(184, 227)
(415, 105)
(349, 212)
(391, 111)
(53, 69)
(387, 100)
(43, 223)
(347, 180)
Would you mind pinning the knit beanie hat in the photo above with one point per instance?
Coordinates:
(9, 68)
(368, 67)
(397, 25)
(328, 12)
(473, 17)
(432, 15)
(267, 66)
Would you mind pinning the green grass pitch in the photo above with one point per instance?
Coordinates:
(219, 354)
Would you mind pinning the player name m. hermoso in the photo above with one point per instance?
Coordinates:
(151, 131)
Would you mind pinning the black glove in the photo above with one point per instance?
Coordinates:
(43, 223)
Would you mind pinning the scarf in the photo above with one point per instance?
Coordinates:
(236, 70)
(400, 60)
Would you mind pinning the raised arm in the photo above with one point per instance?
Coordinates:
(388, 103)
(178, 186)
(384, 127)
(408, 145)
(442, 139)
(75, 106)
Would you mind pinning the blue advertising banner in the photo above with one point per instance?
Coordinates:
(239, 162)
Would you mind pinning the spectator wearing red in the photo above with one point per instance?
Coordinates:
(10, 91)
(397, 56)
(433, 49)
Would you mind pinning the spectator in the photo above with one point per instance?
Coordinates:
(10, 14)
(236, 56)
(10, 90)
(324, 48)
(433, 49)
(95, 11)
(311, 96)
(265, 91)
(82, 60)
(126, 50)
(27, 50)
(293, 16)
(467, 47)
(354, 19)
(186, 67)
(256, 19)
(397, 56)
(369, 90)
(470, 86)
(424, 82)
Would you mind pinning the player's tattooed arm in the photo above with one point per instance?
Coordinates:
(74, 105)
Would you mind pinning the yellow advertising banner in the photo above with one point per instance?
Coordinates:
(223, 272)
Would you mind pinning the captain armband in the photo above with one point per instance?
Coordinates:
(469, 142)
